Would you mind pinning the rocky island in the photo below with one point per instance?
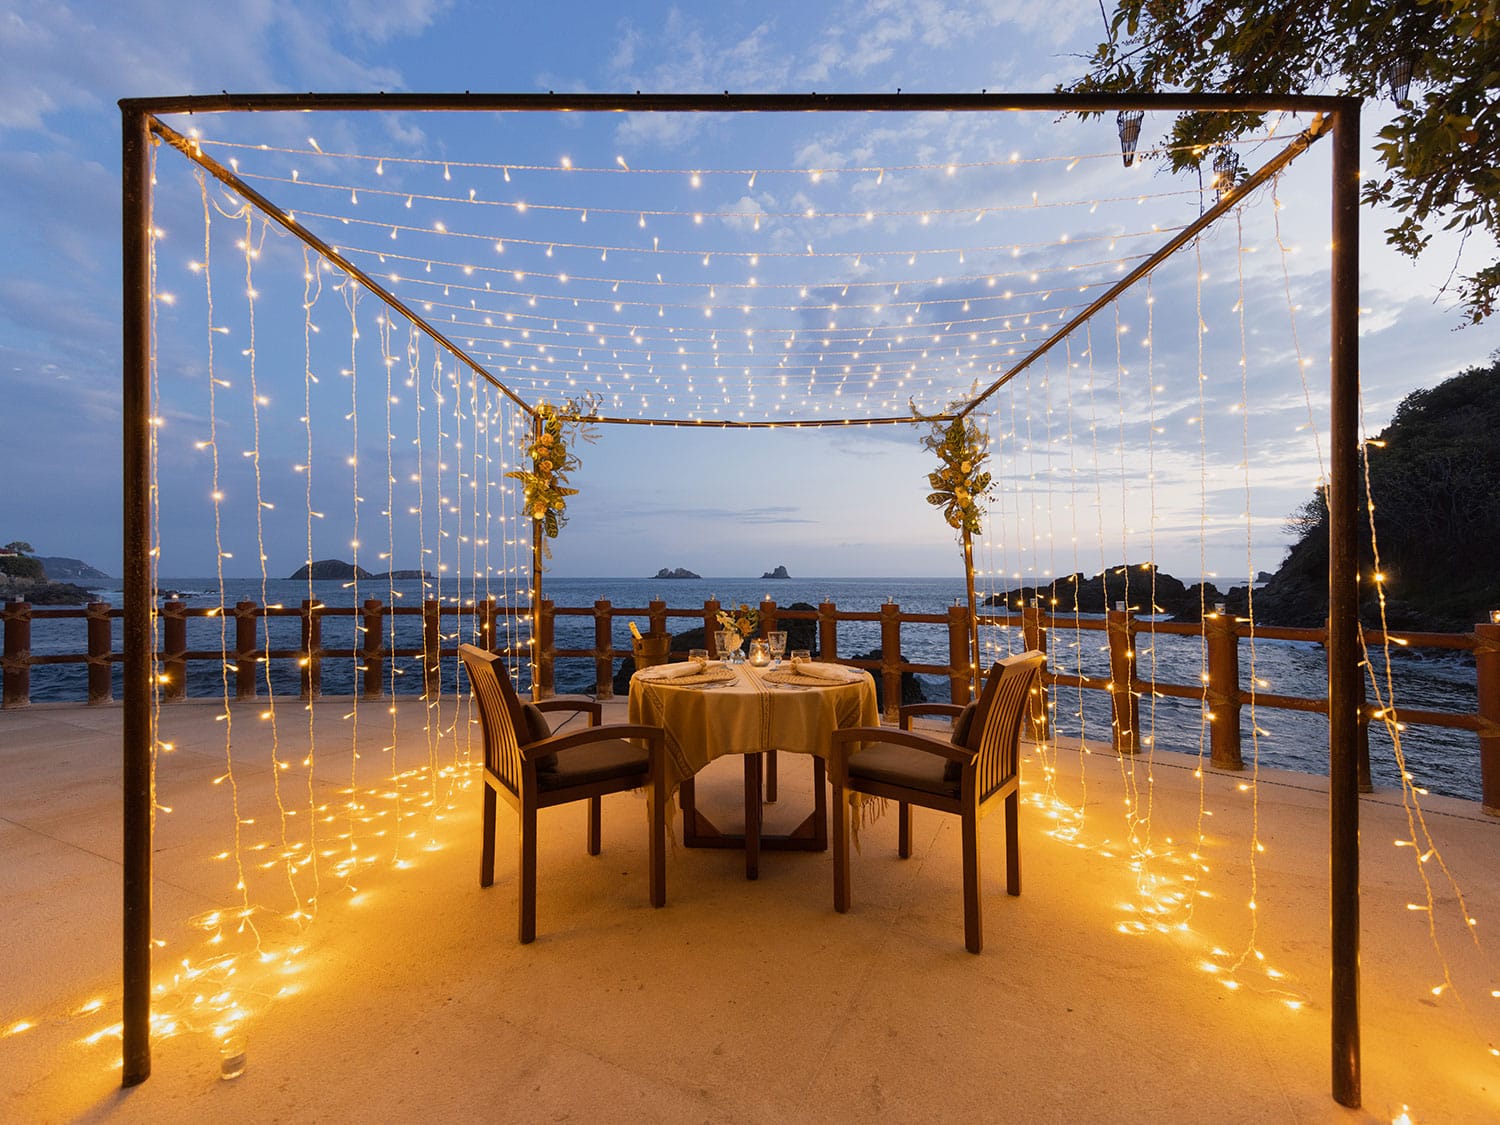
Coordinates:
(680, 572)
(338, 569)
(779, 572)
(27, 577)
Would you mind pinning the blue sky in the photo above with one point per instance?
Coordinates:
(820, 501)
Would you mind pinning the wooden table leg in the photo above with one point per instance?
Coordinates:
(753, 798)
(770, 777)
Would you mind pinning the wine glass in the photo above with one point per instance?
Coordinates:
(777, 641)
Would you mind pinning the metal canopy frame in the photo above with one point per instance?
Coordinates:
(1338, 117)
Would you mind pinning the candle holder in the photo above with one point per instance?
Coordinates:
(1495, 617)
(760, 653)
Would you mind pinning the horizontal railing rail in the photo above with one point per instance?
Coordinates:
(373, 646)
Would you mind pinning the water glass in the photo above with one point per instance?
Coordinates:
(800, 655)
(698, 655)
(777, 641)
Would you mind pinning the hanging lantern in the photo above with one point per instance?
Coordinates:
(1226, 172)
(1398, 73)
(1128, 121)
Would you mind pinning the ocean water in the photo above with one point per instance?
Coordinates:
(1441, 760)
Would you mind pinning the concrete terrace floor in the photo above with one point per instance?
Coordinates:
(408, 999)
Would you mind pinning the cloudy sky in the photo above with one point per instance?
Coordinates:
(1110, 448)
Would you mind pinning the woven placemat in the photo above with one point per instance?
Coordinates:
(797, 679)
(713, 674)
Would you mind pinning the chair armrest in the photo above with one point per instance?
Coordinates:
(590, 707)
(654, 737)
(912, 710)
(839, 753)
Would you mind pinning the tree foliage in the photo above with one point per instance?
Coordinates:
(21, 546)
(1441, 153)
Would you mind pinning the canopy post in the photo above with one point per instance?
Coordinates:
(1344, 683)
(973, 613)
(538, 529)
(135, 220)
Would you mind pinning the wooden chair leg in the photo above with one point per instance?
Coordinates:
(487, 848)
(840, 849)
(1012, 844)
(594, 833)
(973, 919)
(903, 830)
(526, 874)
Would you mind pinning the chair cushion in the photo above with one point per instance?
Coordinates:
(597, 761)
(536, 729)
(901, 765)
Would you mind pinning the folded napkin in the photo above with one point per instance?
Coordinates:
(835, 672)
(673, 671)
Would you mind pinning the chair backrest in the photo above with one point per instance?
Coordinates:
(1003, 703)
(499, 714)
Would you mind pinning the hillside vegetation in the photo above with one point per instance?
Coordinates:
(1434, 475)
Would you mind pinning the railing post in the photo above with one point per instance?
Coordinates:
(100, 645)
(372, 621)
(711, 627)
(604, 646)
(432, 648)
(244, 650)
(545, 650)
(174, 648)
(1487, 670)
(1034, 637)
(489, 635)
(17, 666)
(959, 680)
(656, 615)
(1221, 640)
(890, 657)
(1124, 705)
(312, 649)
(828, 631)
(767, 616)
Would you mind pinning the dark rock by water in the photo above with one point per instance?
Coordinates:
(329, 568)
(680, 572)
(779, 572)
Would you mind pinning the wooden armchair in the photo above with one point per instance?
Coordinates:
(965, 774)
(535, 769)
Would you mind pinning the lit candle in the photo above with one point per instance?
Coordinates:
(1495, 617)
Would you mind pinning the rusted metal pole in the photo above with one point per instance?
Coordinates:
(137, 733)
(974, 671)
(1344, 687)
(538, 530)
(1487, 671)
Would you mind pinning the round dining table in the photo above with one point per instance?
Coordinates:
(712, 711)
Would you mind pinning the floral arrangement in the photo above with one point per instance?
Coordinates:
(743, 620)
(545, 484)
(961, 484)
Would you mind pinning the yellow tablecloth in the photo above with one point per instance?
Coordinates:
(748, 716)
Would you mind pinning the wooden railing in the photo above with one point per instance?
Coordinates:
(1220, 692)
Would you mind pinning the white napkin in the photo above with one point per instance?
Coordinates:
(835, 672)
(673, 671)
